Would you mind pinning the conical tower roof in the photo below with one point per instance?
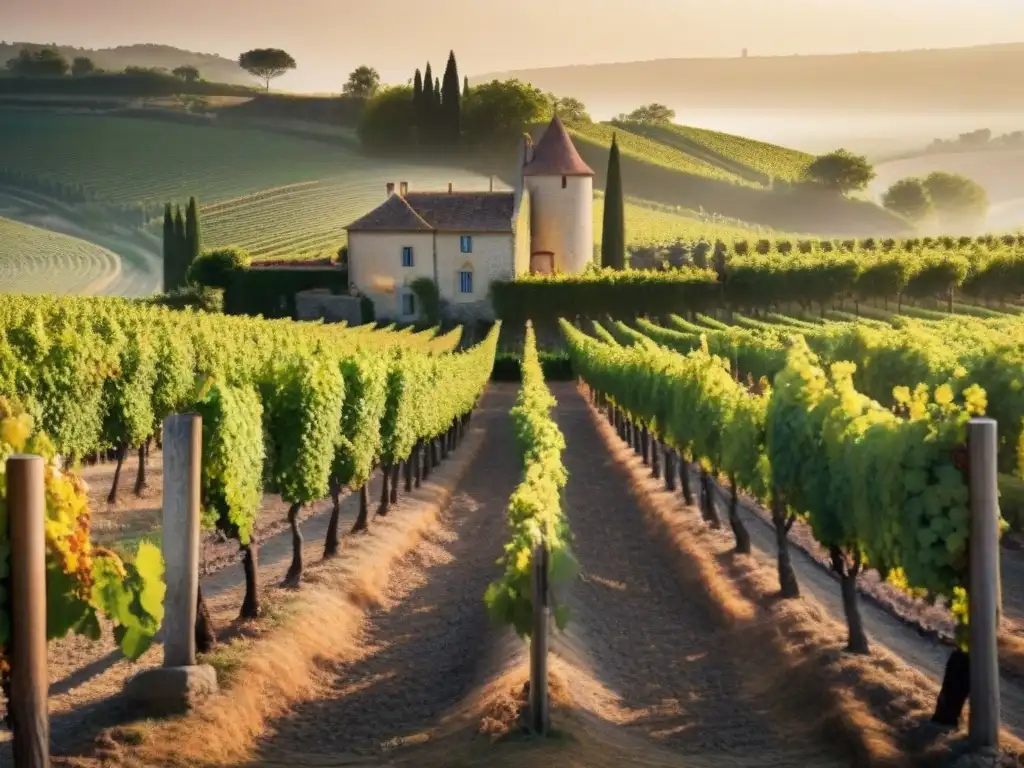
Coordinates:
(555, 154)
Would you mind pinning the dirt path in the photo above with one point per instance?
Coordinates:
(422, 650)
(651, 644)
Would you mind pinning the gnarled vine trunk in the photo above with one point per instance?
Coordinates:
(294, 575)
(394, 483)
(122, 449)
(847, 569)
(385, 492)
(707, 501)
(956, 687)
(655, 458)
(140, 475)
(251, 602)
(331, 541)
(645, 446)
(739, 530)
(670, 469)
(407, 469)
(206, 638)
(417, 463)
(363, 518)
(684, 480)
(783, 520)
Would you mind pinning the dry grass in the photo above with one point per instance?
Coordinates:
(793, 650)
(272, 670)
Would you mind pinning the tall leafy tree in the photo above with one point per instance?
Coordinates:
(266, 63)
(170, 250)
(613, 231)
(428, 127)
(841, 171)
(180, 248)
(451, 96)
(363, 82)
(82, 65)
(193, 238)
(417, 98)
(909, 197)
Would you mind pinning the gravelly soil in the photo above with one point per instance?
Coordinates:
(422, 649)
(646, 638)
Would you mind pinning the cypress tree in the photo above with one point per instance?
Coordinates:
(417, 100)
(193, 238)
(452, 95)
(429, 129)
(465, 86)
(169, 250)
(613, 231)
(438, 109)
(180, 249)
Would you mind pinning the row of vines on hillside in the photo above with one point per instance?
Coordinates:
(876, 485)
(957, 351)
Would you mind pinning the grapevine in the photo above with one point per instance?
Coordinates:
(535, 514)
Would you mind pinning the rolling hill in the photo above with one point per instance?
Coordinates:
(34, 260)
(280, 196)
(946, 80)
(665, 167)
(211, 66)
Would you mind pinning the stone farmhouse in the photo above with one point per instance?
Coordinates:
(464, 240)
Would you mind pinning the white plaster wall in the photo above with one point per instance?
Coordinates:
(523, 241)
(562, 220)
(375, 266)
(491, 259)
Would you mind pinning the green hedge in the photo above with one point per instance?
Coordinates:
(623, 294)
(555, 367)
(271, 292)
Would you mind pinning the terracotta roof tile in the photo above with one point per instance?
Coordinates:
(441, 211)
(556, 155)
(393, 214)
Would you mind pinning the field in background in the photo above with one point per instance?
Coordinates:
(266, 188)
(35, 260)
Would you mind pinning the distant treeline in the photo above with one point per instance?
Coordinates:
(135, 84)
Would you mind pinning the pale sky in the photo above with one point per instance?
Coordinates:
(329, 38)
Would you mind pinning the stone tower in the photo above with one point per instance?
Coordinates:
(561, 190)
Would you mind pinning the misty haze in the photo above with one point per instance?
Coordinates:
(569, 383)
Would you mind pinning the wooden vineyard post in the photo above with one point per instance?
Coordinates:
(29, 714)
(984, 584)
(183, 442)
(539, 642)
(180, 683)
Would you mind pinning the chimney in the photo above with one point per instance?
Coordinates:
(391, 188)
(404, 187)
(449, 187)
